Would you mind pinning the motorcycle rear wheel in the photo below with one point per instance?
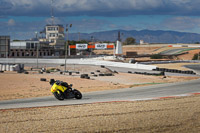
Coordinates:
(59, 95)
(77, 94)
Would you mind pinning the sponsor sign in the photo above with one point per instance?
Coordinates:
(101, 46)
(81, 46)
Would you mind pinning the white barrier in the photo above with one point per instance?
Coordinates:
(3, 67)
(79, 61)
(189, 46)
(10, 67)
(7, 67)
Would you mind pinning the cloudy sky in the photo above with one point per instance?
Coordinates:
(21, 18)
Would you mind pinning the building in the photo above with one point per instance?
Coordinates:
(53, 34)
(30, 49)
(141, 42)
(4, 46)
(53, 44)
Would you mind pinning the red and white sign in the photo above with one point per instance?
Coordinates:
(96, 46)
(101, 46)
(81, 46)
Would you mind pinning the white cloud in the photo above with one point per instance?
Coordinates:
(11, 22)
(100, 7)
(182, 23)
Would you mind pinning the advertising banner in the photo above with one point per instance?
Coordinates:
(81, 46)
(101, 46)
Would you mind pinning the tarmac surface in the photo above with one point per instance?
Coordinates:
(133, 94)
(136, 93)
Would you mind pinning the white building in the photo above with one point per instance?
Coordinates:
(24, 44)
(54, 33)
(141, 42)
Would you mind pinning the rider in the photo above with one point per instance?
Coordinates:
(52, 81)
(58, 82)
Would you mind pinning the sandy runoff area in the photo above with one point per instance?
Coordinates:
(165, 115)
(172, 115)
(17, 86)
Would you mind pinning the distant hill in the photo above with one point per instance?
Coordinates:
(149, 36)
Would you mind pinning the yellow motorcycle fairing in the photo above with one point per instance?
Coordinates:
(56, 87)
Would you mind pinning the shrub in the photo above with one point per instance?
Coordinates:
(156, 56)
(195, 57)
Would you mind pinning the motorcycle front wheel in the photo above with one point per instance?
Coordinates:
(77, 94)
(59, 95)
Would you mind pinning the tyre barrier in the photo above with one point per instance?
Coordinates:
(43, 79)
(84, 76)
(88, 77)
(19, 71)
(102, 66)
(174, 71)
(70, 73)
(152, 74)
(115, 71)
(129, 72)
(162, 73)
(77, 72)
(40, 72)
(26, 72)
(61, 72)
(98, 71)
(92, 72)
(108, 74)
(95, 75)
(48, 72)
(1, 71)
(101, 74)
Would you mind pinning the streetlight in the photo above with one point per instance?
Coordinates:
(36, 33)
(92, 41)
(67, 30)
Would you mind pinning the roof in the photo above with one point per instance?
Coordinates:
(54, 25)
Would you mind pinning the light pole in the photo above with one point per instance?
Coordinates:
(67, 30)
(37, 46)
(92, 41)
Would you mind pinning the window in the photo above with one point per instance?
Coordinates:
(28, 45)
(52, 28)
(3, 42)
(3, 48)
(52, 35)
(32, 45)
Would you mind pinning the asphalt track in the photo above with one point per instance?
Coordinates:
(130, 94)
(175, 51)
(133, 94)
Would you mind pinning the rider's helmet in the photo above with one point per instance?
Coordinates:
(58, 82)
(52, 81)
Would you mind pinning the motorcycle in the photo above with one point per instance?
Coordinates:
(61, 90)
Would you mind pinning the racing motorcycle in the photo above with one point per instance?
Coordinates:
(61, 90)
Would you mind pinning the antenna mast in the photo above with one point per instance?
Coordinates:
(52, 13)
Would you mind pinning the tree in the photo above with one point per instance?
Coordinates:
(129, 41)
(156, 56)
(195, 57)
